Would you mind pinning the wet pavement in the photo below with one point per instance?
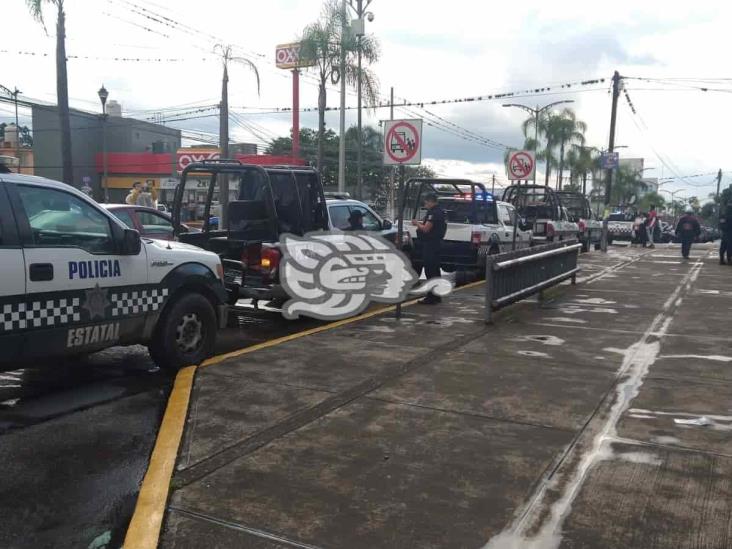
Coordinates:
(75, 439)
(600, 420)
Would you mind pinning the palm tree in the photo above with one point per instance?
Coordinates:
(62, 83)
(226, 58)
(566, 130)
(626, 185)
(582, 161)
(529, 127)
(321, 43)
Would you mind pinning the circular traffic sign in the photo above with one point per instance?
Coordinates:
(402, 142)
(520, 165)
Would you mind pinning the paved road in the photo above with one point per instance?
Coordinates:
(75, 438)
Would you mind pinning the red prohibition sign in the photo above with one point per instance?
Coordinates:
(521, 164)
(409, 149)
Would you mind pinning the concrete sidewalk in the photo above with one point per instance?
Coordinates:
(556, 426)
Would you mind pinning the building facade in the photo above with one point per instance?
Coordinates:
(123, 135)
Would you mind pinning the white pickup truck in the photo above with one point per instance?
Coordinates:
(74, 280)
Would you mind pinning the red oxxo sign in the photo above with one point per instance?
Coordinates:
(189, 156)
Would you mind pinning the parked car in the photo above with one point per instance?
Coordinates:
(149, 222)
(340, 209)
(540, 211)
(270, 201)
(75, 280)
(579, 210)
(477, 224)
(620, 226)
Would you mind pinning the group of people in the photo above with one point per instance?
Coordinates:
(141, 195)
(645, 227)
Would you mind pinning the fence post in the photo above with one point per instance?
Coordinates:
(489, 290)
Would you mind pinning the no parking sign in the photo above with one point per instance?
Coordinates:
(403, 142)
(520, 165)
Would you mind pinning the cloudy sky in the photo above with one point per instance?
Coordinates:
(430, 51)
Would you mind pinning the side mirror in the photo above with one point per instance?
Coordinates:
(131, 243)
(386, 225)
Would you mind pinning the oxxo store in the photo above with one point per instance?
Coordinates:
(158, 171)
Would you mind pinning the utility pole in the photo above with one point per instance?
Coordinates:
(342, 73)
(611, 143)
(719, 183)
(392, 185)
(359, 144)
(493, 185)
(224, 144)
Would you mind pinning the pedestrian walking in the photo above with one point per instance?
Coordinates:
(651, 224)
(430, 233)
(725, 227)
(687, 230)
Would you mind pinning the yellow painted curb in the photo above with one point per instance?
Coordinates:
(144, 529)
(147, 520)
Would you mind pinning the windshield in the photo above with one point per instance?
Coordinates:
(621, 217)
(576, 205)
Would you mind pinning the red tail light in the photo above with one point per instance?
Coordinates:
(475, 238)
(582, 226)
(270, 259)
(549, 229)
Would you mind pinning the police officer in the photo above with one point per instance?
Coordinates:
(687, 230)
(355, 221)
(725, 226)
(430, 232)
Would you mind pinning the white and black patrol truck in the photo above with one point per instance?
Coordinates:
(477, 224)
(75, 280)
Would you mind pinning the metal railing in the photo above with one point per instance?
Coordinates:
(513, 276)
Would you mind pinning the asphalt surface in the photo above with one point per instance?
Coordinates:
(599, 420)
(75, 439)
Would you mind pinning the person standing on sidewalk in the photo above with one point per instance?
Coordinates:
(430, 232)
(651, 223)
(725, 227)
(687, 230)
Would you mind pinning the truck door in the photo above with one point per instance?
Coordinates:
(12, 284)
(81, 294)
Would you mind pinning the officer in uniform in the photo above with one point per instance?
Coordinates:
(430, 232)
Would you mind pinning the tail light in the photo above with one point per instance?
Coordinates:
(475, 238)
(582, 225)
(270, 259)
(549, 229)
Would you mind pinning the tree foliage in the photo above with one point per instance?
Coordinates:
(323, 42)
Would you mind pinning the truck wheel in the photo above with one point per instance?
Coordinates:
(185, 334)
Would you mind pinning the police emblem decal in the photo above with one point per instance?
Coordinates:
(96, 303)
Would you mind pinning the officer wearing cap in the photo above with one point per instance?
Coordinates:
(355, 221)
(430, 232)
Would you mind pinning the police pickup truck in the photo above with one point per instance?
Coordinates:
(477, 224)
(579, 210)
(75, 280)
(540, 210)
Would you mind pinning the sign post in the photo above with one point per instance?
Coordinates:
(520, 165)
(288, 56)
(402, 142)
(609, 160)
(402, 147)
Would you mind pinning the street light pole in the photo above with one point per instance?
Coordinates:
(342, 75)
(103, 95)
(536, 112)
(361, 12)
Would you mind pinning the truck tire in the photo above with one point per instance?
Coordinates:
(185, 334)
